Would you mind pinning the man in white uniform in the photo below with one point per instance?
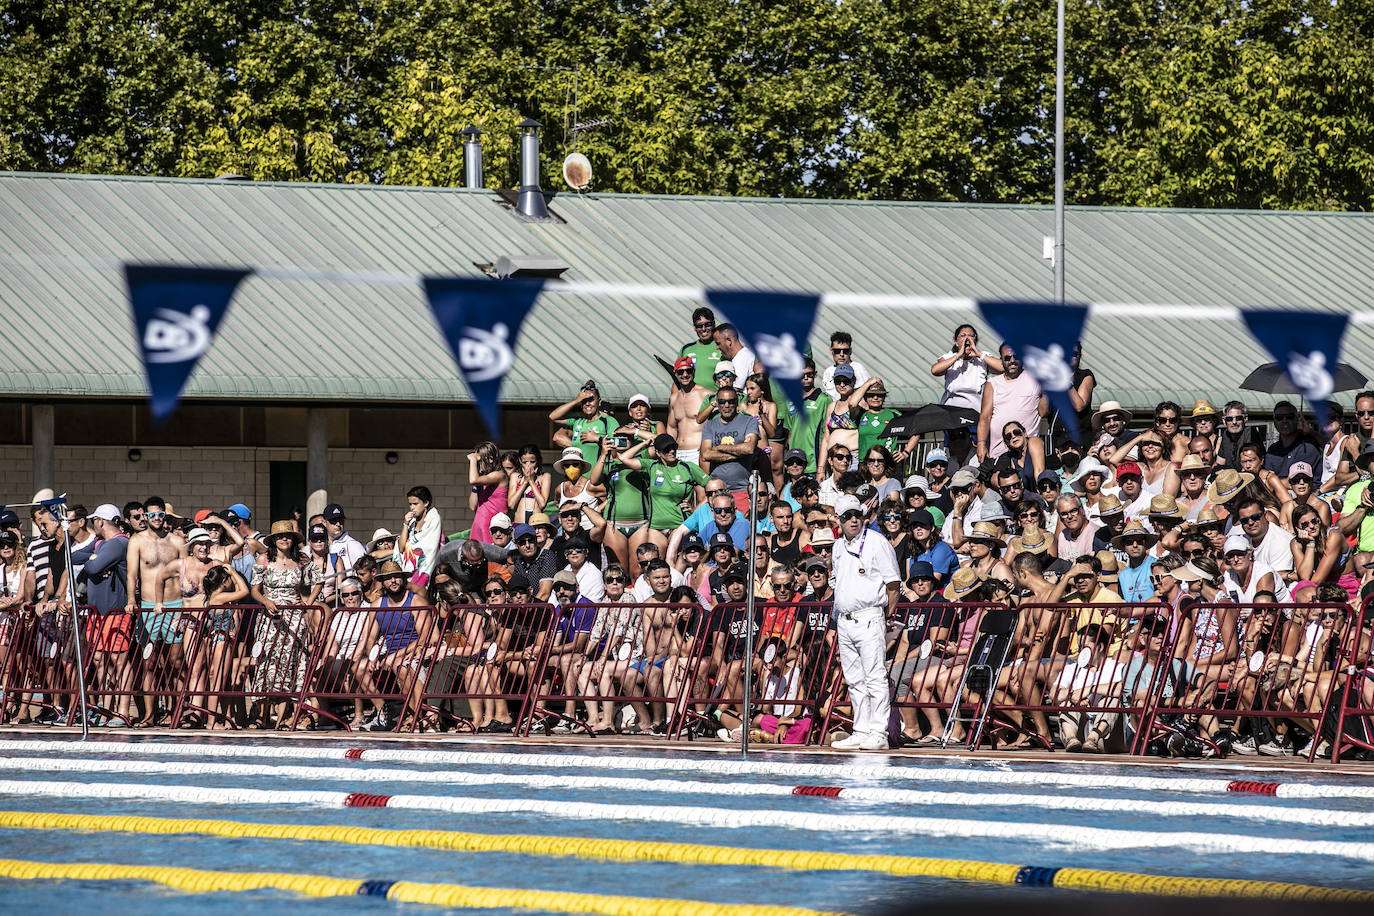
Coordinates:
(866, 580)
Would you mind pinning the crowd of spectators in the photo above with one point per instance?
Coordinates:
(637, 542)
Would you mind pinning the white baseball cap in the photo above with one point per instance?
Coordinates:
(724, 365)
(106, 512)
(500, 520)
(846, 503)
(638, 399)
(1234, 542)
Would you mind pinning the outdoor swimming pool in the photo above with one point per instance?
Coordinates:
(988, 810)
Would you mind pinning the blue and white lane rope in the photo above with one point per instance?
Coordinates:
(774, 768)
(1311, 817)
(1052, 834)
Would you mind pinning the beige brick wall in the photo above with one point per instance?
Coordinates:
(369, 489)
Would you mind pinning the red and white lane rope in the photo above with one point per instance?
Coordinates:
(1049, 834)
(1298, 816)
(982, 774)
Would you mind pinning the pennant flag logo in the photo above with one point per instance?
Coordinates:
(1306, 346)
(777, 325)
(481, 318)
(1043, 335)
(176, 313)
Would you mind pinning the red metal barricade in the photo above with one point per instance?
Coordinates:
(1348, 722)
(792, 669)
(604, 657)
(1254, 670)
(40, 666)
(496, 676)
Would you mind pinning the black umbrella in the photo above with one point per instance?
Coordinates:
(1272, 379)
(931, 418)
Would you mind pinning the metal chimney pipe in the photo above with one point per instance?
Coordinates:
(472, 157)
(530, 204)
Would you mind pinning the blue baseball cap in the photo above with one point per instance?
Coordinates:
(241, 511)
(521, 530)
(937, 454)
(921, 569)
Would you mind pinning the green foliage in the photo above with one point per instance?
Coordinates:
(1260, 103)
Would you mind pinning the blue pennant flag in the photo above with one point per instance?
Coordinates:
(481, 320)
(777, 326)
(176, 313)
(1043, 335)
(1306, 346)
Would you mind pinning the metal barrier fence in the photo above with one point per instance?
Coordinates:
(1108, 677)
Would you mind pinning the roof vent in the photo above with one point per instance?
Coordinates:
(530, 205)
(232, 176)
(529, 267)
(472, 157)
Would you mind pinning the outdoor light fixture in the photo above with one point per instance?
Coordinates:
(135, 455)
(392, 457)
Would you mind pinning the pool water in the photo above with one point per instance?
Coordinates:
(855, 892)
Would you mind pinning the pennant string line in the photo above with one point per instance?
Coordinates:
(666, 292)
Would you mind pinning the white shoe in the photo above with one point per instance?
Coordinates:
(874, 742)
(848, 744)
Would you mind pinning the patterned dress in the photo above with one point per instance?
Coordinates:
(285, 639)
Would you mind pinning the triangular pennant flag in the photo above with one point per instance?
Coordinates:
(481, 318)
(1306, 346)
(176, 313)
(1043, 336)
(776, 325)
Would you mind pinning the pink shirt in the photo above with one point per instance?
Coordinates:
(1012, 399)
(1072, 548)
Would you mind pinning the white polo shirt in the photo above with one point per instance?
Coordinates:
(863, 568)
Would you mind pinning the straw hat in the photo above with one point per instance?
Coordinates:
(1110, 408)
(1111, 569)
(538, 519)
(1109, 504)
(1227, 485)
(1207, 517)
(964, 581)
(1135, 528)
(986, 531)
(1203, 408)
(381, 534)
(1193, 463)
(391, 568)
(572, 455)
(284, 526)
(1032, 540)
(1165, 506)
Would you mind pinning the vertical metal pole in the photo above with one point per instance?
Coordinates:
(61, 509)
(749, 615)
(1059, 157)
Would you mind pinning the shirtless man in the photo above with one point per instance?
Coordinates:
(149, 552)
(661, 642)
(683, 406)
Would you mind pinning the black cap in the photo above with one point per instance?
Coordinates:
(8, 519)
(333, 512)
(664, 443)
(693, 542)
(517, 583)
(317, 533)
(721, 539)
(577, 543)
(735, 573)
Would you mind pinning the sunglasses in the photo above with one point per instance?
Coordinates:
(840, 351)
(564, 587)
(892, 517)
(350, 594)
(1364, 413)
(1286, 418)
(388, 578)
(155, 515)
(876, 394)
(1171, 420)
(526, 540)
(726, 402)
(1048, 485)
(723, 510)
(703, 324)
(616, 580)
(1194, 554)
(822, 548)
(1133, 540)
(783, 588)
(851, 515)
(840, 456)
(574, 550)
(572, 514)
(1240, 418)
(683, 372)
(493, 592)
(1151, 444)
(1246, 519)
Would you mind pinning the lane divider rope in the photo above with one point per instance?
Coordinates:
(1080, 837)
(451, 895)
(1304, 816)
(970, 773)
(682, 853)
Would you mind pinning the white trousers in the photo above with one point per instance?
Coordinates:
(862, 647)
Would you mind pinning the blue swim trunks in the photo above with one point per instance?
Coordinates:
(160, 626)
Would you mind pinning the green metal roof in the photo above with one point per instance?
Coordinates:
(63, 306)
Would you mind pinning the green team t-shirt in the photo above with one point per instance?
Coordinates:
(669, 485)
(603, 424)
(1365, 540)
(626, 500)
(806, 426)
(871, 424)
(705, 356)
